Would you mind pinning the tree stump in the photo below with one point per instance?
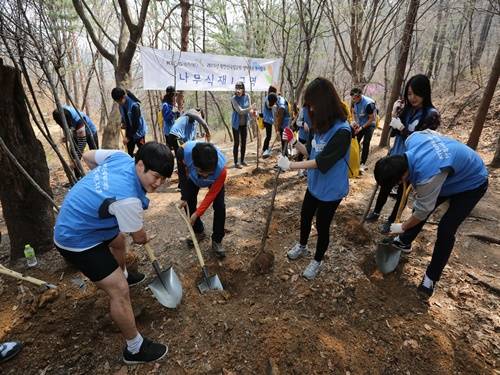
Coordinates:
(28, 215)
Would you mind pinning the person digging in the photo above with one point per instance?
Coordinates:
(440, 169)
(203, 165)
(89, 232)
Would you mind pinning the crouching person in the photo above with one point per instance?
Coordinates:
(89, 232)
(203, 165)
(439, 169)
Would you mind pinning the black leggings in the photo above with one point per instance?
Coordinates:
(324, 215)
(382, 199)
(132, 143)
(269, 132)
(461, 205)
(237, 133)
(365, 135)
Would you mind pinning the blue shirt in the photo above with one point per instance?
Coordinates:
(184, 128)
(168, 117)
(360, 111)
(127, 118)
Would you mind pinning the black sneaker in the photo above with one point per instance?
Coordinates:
(9, 350)
(424, 291)
(199, 236)
(218, 249)
(385, 227)
(372, 217)
(135, 278)
(149, 352)
(405, 248)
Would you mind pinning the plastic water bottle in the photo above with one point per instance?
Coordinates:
(29, 254)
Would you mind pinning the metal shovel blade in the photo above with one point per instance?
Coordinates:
(387, 256)
(210, 283)
(168, 289)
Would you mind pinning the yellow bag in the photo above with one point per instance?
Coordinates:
(354, 159)
(260, 123)
(377, 122)
(345, 106)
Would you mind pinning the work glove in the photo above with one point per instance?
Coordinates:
(288, 136)
(396, 124)
(396, 228)
(283, 163)
(397, 107)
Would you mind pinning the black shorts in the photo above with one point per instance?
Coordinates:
(96, 263)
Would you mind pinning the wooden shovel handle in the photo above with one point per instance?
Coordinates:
(4, 270)
(193, 235)
(404, 199)
(150, 252)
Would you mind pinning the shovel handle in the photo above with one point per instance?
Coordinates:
(150, 252)
(404, 199)
(5, 271)
(369, 205)
(193, 235)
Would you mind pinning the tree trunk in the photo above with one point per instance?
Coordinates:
(27, 213)
(483, 36)
(495, 163)
(482, 111)
(400, 66)
(430, 66)
(185, 27)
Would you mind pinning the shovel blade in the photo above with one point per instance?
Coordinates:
(210, 283)
(167, 288)
(387, 257)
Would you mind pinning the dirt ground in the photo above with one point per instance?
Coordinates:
(350, 320)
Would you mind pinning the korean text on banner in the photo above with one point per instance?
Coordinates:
(191, 71)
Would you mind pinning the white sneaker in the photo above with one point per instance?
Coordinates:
(312, 270)
(297, 251)
(266, 154)
(362, 167)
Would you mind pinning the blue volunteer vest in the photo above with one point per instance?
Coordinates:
(244, 102)
(126, 113)
(302, 133)
(429, 152)
(76, 119)
(360, 114)
(83, 221)
(267, 113)
(282, 103)
(334, 184)
(193, 174)
(168, 117)
(410, 122)
(91, 125)
(184, 128)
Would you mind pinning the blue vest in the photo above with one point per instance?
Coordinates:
(334, 184)
(429, 152)
(244, 102)
(84, 220)
(91, 125)
(193, 174)
(360, 114)
(303, 135)
(184, 128)
(126, 113)
(267, 113)
(282, 103)
(410, 122)
(168, 117)
(76, 119)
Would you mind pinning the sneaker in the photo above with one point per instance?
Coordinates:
(150, 351)
(218, 249)
(385, 227)
(405, 248)
(424, 291)
(199, 237)
(297, 251)
(372, 217)
(9, 350)
(266, 154)
(237, 166)
(312, 270)
(135, 278)
(394, 192)
(362, 167)
(243, 163)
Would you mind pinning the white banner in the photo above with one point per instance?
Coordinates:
(191, 71)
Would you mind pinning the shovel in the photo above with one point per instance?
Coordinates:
(5, 271)
(209, 282)
(387, 256)
(166, 287)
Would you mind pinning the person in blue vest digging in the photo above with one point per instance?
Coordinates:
(89, 232)
(281, 116)
(364, 112)
(132, 120)
(327, 165)
(440, 169)
(203, 165)
(240, 118)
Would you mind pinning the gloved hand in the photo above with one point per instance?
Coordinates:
(397, 107)
(396, 124)
(288, 136)
(396, 228)
(283, 163)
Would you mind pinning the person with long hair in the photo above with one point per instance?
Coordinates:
(239, 122)
(132, 120)
(413, 113)
(327, 177)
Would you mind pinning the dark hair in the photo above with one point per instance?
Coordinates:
(169, 97)
(389, 170)
(326, 103)
(156, 157)
(205, 156)
(201, 111)
(272, 89)
(117, 93)
(239, 85)
(170, 89)
(272, 98)
(356, 91)
(421, 86)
